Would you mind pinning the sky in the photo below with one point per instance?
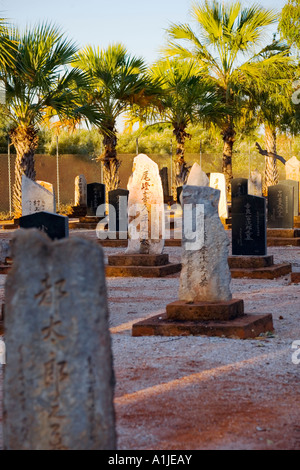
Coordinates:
(138, 24)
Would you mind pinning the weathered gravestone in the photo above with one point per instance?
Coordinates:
(118, 210)
(54, 225)
(295, 185)
(95, 197)
(36, 197)
(280, 206)
(255, 184)
(205, 305)
(80, 191)
(292, 169)
(145, 208)
(239, 187)
(58, 386)
(217, 181)
(249, 227)
(197, 177)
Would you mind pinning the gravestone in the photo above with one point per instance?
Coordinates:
(292, 169)
(197, 177)
(217, 181)
(54, 225)
(255, 183)
(249, 228)
(239, 187)
(36, 197)
(280, 206)
(205, 274)
(178, 194)
(295, 185)
(80, 191)
(145, 208)
(165, 182)
(95, 197)
(58, 385)
(118, 210)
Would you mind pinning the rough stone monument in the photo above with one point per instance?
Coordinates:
(205, 305)
(197, 177)
(80, 191)
(146, 226)
(217, 181)
(59, 380)
(37, 197)
(292, 169)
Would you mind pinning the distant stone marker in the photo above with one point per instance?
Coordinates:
(280, 206)
(217, 181)
(239, 187)
(292, 169)
(145, 208)
(197, 177)
(295, 185)
(37, 197)
(95, 197)
(118, 218)
(58, 385)
(80, 191)
(249, 228)
(54, 225)
(165, 182)
(255, 184)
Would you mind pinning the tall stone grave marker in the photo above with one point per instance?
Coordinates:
(58, 386)
(292, 169)
(80, 191)
(249, 227)
(145, 208)
(295, 185)
(217, 181)
(197, 177)
(239, 187)
(255, 184)
(280, 206)
(165, 182)
(95, 197)
(36, 197)
(118, 210)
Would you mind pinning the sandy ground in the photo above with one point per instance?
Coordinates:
(204, 393)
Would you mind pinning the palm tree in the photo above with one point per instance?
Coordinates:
(120, 83)
(40, 86)
(187, 98)
(7, 45)
(228, 35)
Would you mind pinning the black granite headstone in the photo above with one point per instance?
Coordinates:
(165, 182)
(178, 191)
(119, 200)
(239, 187)
(281, 206)
(54, 225)
(295, 185)
(95, 197)
(249, 231)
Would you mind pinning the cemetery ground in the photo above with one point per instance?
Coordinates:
(198, 392)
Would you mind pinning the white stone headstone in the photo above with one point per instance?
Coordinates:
(255, 184)
(80, 191)
(217, 181)
(197, 177)
(36, 197)
(292, 169)
(145, 208)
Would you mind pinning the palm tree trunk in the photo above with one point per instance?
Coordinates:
(25, 141)
(271, 176)
(111, 163)
(228, 138)
(181, 167)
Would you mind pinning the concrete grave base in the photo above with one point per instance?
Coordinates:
(283, 237)
(205, 318)
(295, 278)
(140, 265)
(257, 267)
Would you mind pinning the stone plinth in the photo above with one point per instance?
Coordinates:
(140, 265)
(283, 237)
(295, 278)
(204, 311)
(257, 267)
